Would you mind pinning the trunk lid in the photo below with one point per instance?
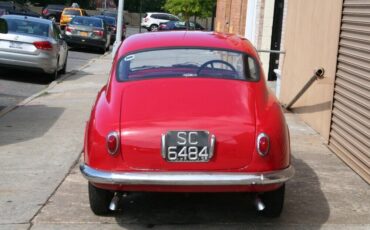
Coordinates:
(150, 108)
(17, 43)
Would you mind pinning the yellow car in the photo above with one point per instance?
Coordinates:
(69, 13)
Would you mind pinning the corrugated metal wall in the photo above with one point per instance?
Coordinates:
(350, 131)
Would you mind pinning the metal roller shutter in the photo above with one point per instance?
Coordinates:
(350, 127)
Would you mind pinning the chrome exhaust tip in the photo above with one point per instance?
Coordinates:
(259, 204)
(114, 203)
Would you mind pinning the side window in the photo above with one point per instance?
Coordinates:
(172, 18)
(155, 16)
(164, 17)
(251, 68)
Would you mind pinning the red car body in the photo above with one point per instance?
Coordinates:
(141, 111)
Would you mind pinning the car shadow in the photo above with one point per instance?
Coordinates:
(305, 203)
(27, 123)
(23, 76)
(86, 50)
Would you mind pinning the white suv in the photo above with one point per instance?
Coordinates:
(151, 21)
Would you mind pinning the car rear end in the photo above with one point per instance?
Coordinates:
(86, 32)
(28, 45)
(53, 12)
(68, 14)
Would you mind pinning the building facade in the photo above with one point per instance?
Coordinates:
(334, 35)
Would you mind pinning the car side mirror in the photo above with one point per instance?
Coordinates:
(3, 26)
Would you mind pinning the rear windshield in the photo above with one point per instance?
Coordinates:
(71, 12)
(87, 21)
(190, 63)
(28, 27)
(108, 20)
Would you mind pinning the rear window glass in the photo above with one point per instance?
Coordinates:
(86, 21)
(28, 27)
(71, 12)
(190, 63)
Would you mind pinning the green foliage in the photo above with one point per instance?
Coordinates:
(188, 8)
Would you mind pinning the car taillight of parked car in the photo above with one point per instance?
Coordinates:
(69, 30)
(112, 141)
(146, 19)
(99, 33)
(162, 26)
(45, 12)
(263, 144)
(43, 45)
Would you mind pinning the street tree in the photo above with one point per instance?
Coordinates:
(189, 8)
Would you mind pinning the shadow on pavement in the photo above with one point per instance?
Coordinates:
(305, 204)
(28, 122)
(24, 76)
(86, 50)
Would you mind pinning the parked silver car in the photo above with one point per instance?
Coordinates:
(88, 32)
(33, 44)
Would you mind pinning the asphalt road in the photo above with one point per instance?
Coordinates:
(15, 86)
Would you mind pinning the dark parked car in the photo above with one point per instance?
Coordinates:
(180, 25)
(109, 14)
(11, 7)
(89, 32)
(53, 12)
(111, 22)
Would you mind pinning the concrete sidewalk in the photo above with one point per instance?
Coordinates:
(41, 187)
(42, 140)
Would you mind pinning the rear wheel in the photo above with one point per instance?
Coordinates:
(54, 75)
(153, 28)
(64, 69)
(99, 200)
(273, 201)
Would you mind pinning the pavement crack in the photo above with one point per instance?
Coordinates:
(30, 222)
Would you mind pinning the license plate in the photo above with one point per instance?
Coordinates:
(187, 146)
(15, 45)
(84, 34)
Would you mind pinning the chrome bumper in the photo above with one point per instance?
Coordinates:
(186, 178)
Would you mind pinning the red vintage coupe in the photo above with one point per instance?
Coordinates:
(186, 112)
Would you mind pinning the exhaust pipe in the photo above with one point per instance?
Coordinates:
(318, 74)
(259, 204)
(114, 203)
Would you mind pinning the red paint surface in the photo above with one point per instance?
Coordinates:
(141, 111)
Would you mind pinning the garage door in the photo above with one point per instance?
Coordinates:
(350, 132)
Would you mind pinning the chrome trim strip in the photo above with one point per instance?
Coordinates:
(163, 150)
(212, 146)
(186, 178)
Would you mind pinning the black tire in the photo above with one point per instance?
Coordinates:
(64, 69)
(99, 200)
(102, 50)
(274, 202)
(53, 76)
(107, 49)
(153, 28)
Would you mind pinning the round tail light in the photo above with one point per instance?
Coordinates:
(263, 144)
(112, 143)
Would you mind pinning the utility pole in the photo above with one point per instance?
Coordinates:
(118, 41)
(141, 4)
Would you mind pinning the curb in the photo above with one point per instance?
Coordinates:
(10, 108)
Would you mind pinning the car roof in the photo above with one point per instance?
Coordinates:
(29, 18)
(71, 8)
(186, 39)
